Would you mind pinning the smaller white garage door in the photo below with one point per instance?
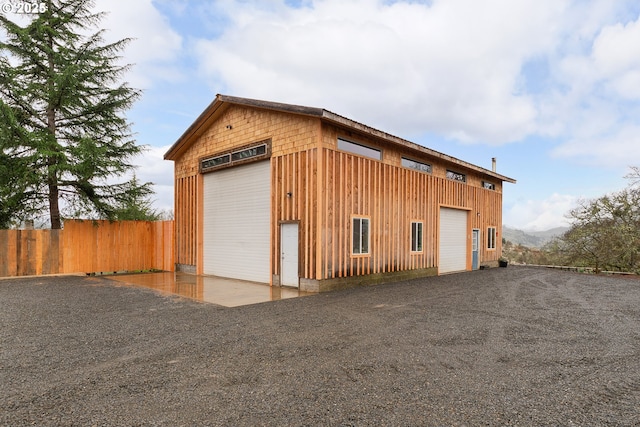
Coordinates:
(453, 240)
(236, 222)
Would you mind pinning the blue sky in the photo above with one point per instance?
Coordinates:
(551, 88)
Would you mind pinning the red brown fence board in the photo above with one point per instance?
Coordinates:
(88, 247)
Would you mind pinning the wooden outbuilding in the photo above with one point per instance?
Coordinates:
(300, 196)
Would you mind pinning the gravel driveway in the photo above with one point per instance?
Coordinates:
(514, 346)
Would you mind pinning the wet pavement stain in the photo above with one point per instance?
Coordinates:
(216, 290)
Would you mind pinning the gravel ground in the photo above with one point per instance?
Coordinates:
(514, 346)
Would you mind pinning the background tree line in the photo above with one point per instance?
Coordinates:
(604, 234)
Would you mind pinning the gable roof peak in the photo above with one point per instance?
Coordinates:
(205, 119)
(270, 105)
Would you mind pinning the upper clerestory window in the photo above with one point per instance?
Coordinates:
(456, 176)
(488, 185)
(414, 164)
(359, 149)
(257, 151)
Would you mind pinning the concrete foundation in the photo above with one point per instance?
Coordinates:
(326, 285)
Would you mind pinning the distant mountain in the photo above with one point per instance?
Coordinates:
(532, 239)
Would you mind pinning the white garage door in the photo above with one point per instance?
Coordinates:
(236, 222)
(453, 240)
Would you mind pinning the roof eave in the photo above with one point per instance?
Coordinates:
(341, 120)
(194, 130)
(201, 123)
(274, 106)
(182, 143)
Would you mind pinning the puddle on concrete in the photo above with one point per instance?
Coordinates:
(217, 290)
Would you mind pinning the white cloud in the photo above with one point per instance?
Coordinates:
(540, 215)
(616, 49)
(616, 57)
(150, 167)
(600, 105)
(448, 68)
(452, 67)
(609, 66)
(628, 84)
(619, 148)
(155, 48)
(155, 52)
(153, 168)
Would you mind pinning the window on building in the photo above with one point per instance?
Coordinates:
(456, 176)
(249, 153)
(359, 149)
(491, 238)
(216, 161)
(360, 236)
(488, 185)
(414, 164)
(258, 151)
(416, 236)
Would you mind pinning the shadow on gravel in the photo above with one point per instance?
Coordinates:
(514, 346)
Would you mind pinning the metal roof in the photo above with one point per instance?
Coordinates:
(207, 117)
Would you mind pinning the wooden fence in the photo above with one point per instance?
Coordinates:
(88, 247)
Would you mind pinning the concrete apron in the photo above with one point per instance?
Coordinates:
(217, 290)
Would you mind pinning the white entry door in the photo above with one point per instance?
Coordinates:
(289, 255)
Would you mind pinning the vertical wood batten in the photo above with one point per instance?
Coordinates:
(295, 173)
(88, 247)
(276, 182)
(186, 219)
(325, 220)
(306, 224)
(392, 197)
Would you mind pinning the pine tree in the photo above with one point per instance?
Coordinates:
(65, 139)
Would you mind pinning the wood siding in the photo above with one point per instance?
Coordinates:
(88, 247)
(186, 219)
(296, 174)
(392, 154)
(236, 126)
(327, 192)
(240, 126)
(323, 188)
